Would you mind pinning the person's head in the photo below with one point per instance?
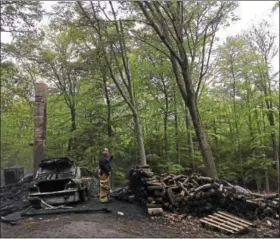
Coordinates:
(105, 152)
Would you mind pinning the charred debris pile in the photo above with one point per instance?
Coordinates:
(189, 194)
(14, 197)
(195, 195)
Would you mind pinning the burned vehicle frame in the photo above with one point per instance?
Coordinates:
(59, 181)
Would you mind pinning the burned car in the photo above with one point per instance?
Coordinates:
(59, 181)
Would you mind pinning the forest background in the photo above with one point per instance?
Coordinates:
(171, 84)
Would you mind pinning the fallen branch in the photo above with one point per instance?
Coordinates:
(52, 212)
(11, 222)
(203, 187)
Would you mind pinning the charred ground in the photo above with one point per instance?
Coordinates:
(134, 223)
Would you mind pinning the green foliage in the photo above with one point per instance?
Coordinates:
(233, 108)
(120, 178)
(16, 133)
(48, 56)
(174, 168)
(17, 16)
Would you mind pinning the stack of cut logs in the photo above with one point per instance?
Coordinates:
(138, 179)
(196, 195)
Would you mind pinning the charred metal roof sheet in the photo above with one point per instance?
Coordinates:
(61, 161)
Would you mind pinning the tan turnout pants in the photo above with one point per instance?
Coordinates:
(104, 188)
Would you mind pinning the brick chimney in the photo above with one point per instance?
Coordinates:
(40, 123)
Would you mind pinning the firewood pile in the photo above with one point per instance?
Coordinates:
(13, 198)
(139, 177)
(196, 195)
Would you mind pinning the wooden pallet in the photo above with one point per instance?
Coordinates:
(226, 223)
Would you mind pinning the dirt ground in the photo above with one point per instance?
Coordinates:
(134, 223)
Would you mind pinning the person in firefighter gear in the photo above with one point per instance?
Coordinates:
(105, 170)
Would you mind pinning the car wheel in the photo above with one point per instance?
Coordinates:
(84, 195)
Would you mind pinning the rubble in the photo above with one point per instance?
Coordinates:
(13, 175)
(123, 194)
(14, 197)
(196, 195)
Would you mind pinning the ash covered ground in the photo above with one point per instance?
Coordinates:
(134, 223)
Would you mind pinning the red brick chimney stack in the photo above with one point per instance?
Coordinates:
(40, 123)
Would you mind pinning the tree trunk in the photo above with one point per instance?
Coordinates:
(176, 129)
(275, 149)
(274, 146)
(269, 105)
(202, 140)
(248, 101)
(258, 181)
(165, 121)
(166, 113)
(263, 150)
(189, 98)
(216, 141)
(190, 139)
(267, 188)
(108, 102)
(140, 140)
(73, 127)
(235, 120)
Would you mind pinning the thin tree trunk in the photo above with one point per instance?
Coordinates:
(190, 139)
(216, 141)
(250, 126)
(140, 139)
(165, 121)
(166, 112)
(235, 120)
(264, 153)
(271, 121)
(165, 116)
(258, 181)
(248, 101)
(267, 187)
(73, 127)
(238, 144)
(108, 102)
(269, 105)
(176, 129)
(157, 128)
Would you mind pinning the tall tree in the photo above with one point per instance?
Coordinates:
(188, 31)
(117, 61)
(262, 42)
(61, 64)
